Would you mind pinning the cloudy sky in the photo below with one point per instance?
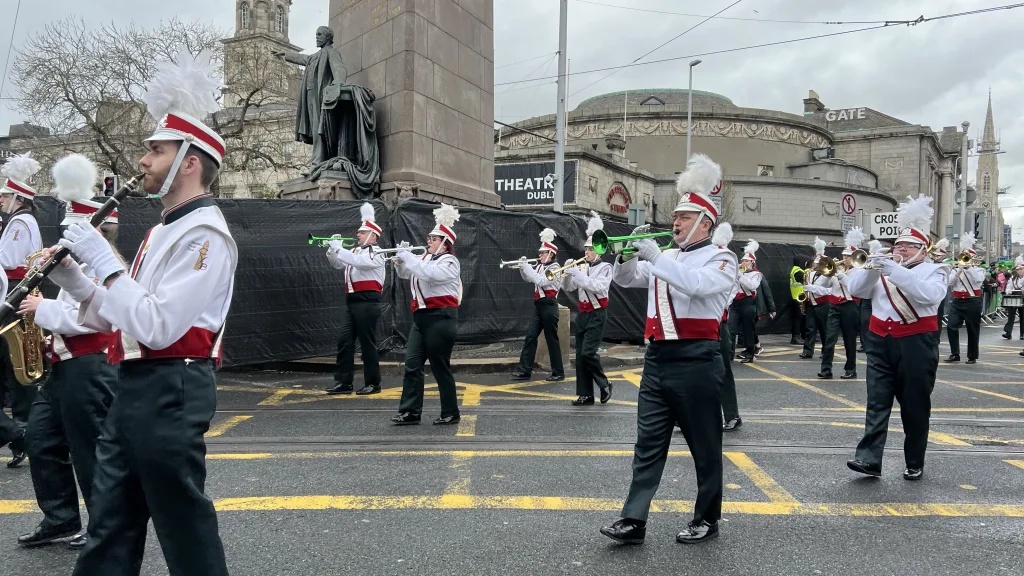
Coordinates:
(936, 73)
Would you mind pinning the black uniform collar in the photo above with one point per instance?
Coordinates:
(175, 213)
(692, 247)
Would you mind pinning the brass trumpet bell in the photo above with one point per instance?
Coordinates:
(559, 272)
(826, 267)
(965, 259)
(861, 259)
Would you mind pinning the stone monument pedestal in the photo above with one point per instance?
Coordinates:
(542, 360)
(331, 185)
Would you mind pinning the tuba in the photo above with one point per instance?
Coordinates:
(26, 342)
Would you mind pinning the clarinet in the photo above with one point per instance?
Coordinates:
(37, 273)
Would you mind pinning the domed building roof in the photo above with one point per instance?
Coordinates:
(656, 97)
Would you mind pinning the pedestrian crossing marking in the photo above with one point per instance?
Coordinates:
(772, 489)
(225, 425)
(467, 426)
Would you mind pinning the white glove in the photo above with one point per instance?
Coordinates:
(335, 246)
(403, 244)
(403, 256)
(642, 229)
(574, 271)
(647, 249)
(91, 248)
(887, 265)
(69, 276)
(840, 276)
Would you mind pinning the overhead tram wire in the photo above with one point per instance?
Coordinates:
(763, 20)
(10, 48)
(920, 20)
(527, 60)
(527, 77)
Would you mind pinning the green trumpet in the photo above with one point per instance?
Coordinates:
(323, 241)
(602, 243)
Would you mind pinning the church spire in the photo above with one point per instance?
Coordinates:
(988, 138)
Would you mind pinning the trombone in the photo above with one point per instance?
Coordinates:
(517, 264)
(323, 241)
(559, 272)
(602, 243)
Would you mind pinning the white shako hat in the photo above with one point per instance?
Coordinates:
(18, 170)
(941, 248)
(445, 218)
(1019, 261)
(74, 182)
(593, 225)
(547, 241)
(819, 249)
(695, 185)
(967, 243)
(179, 94)
(914, 218)
(749, 251)
(368, 225)
(854, 238)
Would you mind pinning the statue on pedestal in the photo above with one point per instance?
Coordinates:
(336, 118)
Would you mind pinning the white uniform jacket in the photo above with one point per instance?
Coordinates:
(818, 288)
(841, 287)
(363, 266)
(966, 282)
(20, 239)
(435, 280)
(69, 339)
(1014, 285)
(542, 287)
(747, 284)
(592, 285)
(906, 302)
(174, 301)
(686, 290)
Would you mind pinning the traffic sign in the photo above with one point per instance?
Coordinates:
(717, 201)
(717, 189)
(849, 204)
(884, 225)
(848, 222)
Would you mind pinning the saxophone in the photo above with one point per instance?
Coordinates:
(26, 342)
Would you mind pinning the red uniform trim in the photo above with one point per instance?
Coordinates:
(17, 273)
(588, 307)
(547, 294)
(898, 329)
(965, 294)
(196, 343)
(686, 329)
(366, 286)
(437, 302)
(81, 345)
(742, 295)
(180, 124)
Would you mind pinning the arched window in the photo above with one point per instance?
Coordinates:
(244, 9)
(279, 21)
(986, 183)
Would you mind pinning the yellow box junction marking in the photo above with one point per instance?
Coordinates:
(467, 426)
(1017, 463)
(806, 386)
(225, 425)
(980, 391)
(772, 489)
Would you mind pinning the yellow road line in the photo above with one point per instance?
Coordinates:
(772, 489)
(1017, 463)
(459, 486)
(632, 378)
(980, 391)
(467, 426)
(225, 425)
(276, 397)
(806, 386)
(466, 453)
(947, 410)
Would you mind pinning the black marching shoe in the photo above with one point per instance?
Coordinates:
(368, 390)
(971, 361)
(78, 542)
(744, 359)
(18, 454)
(405, 418)
(583, 401)
(339, 388)
(1007, 336)
(733, 424)
(795, 341)
(913, 473)
(520, 375)
(863, 468)
(626, 531)
(849, 374)
(555, 378)
(953, 358)
(697, 532)
(41, 536)
(825, 374)
(447, 420)
(606, 393)
(805, 356)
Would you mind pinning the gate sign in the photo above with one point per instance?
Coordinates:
(849, 204)
(533, 183)
(884, 226)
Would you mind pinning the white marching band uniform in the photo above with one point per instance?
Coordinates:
(364, 268)
(20, 236)
(435, 281)
(542, 287)
(591, 284)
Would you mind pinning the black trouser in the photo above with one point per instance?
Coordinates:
(589, 333)
(941, 313)
(1011, 315)
(745, 313)
(61, 437)
(797, 323)
(679, 386)
(21, 397)
(358, 321)
(151, 462)
(964, 311)
(865, 319)
(843, 318)
(817, 322)
(727, 393)
(902, 369)
(432, 338)
(545, 318)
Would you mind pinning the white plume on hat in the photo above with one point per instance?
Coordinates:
(915, 213)
(819, 246)
(1019, 261)
(74, 178)
(366, 212)
(20, 168)
(854, 237)
(188, 84)
(750, 248)
(874, 247)
(968, 241)
(942, 244)
(595, 223)
(702, 174)
(547, 235)
(722, 235)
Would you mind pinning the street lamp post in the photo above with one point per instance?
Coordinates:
(963, 183)
(689, 110)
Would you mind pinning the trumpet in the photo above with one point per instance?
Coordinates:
(559, 272)
(393, 251)
(517, 264)
(861, 259)
(602, 243)
(826, 267)
(323, 241)
(965, 259)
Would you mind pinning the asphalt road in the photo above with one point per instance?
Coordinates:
(310, 484)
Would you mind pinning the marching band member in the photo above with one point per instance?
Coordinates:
(687, 290)
(592, 283)
(19, 239)
(939, 252)
(1015, 288)
(818, 288)
(726, 345)
(73, 401)
(545, 311)
(965, 307)
(845, 313)
(169, 308)
(905, 292)
(364, 282)
(743, 304)
(436, 286)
